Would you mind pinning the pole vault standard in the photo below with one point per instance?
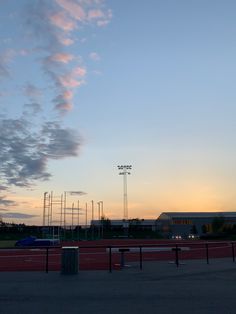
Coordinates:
(124, 172)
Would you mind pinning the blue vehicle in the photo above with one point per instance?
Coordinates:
(33, 241)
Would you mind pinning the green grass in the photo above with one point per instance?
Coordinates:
(7, 243)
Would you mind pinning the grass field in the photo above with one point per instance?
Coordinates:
(7, 243)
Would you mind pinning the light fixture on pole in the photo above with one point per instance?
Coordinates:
(125, 171)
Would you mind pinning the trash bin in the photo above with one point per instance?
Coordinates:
(69, 260)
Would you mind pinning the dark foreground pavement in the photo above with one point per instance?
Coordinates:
(194, 287)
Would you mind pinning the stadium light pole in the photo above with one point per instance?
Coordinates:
(101, 215)
(99, 219)
(92, 224)
(124, 171)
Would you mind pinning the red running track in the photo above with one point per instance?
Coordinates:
(94, 255)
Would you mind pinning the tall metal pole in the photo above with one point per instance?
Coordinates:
(99, 220)
(44, 208)
(86, 221)
(78, 233)
(125, 195)
(61, 214)
(92, 220)
(64, 210)
(72, 222)
(50, 216)
(64, 215)
(102, 216)
(125, 172)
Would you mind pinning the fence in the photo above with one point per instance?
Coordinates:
(113, 257)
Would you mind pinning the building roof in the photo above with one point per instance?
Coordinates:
(171, 215)
(121, 222)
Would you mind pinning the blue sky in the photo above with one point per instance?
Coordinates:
(87, 85)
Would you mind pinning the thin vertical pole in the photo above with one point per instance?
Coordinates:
(177, 255)
(110, 261)
(44, 207)
(140, 258)
(61, 217)
(86, 221)
(233, 255)
(51, 208)
(46, 260)
(99, 220)
(102, 218)
(64, 215)
(92, 220)
(78, 230)
(125, 196)
(207, 253)
(72, 221)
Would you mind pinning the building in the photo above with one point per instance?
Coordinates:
(187, 223)
(141, 224)
(173, 224)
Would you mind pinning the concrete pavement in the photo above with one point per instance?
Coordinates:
(194, 287)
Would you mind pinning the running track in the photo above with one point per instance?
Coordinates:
(97, 258)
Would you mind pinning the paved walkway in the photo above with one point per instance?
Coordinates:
(194, 287)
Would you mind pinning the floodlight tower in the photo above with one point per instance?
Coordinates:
(125, 171)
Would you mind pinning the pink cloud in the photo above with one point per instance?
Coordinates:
(62, 57)
(95, 14)
(69, 81)
(64, 106)
(68, 94)
(94, 56)
(79, 71)
(61, 21)
(66, 41)
(102, 17)
(72, 8)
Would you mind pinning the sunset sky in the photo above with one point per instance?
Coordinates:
(87, 85)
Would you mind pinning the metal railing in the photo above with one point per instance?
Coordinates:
(177, 251)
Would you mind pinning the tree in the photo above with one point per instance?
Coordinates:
(204, 229)
(193, 230)
(217, 224)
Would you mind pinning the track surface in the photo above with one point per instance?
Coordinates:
(97, 258)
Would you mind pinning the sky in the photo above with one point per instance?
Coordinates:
(87, 85)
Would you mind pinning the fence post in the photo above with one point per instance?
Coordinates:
(140, 258)
(110, 267)
(207, 253)
(233, 255)
(176, 255)
(47, 260)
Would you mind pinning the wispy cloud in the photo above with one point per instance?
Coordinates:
(6, 202)
(51, 27)
(25, 152)
(94, 56)
(5, 59)
(16, 215)
(32, 91)
(4, 210)
(62, 57)
(60, 20)
(73, 8)
(3, 188)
